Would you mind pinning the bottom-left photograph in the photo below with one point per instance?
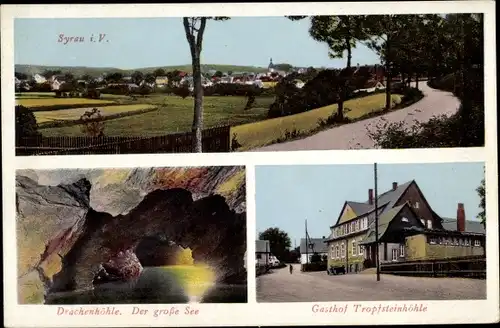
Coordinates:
(131, 236)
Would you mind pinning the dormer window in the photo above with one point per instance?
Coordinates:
(403, 219)
(423, 222)
(416, 205)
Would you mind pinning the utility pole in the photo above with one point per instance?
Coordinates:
(307, 246)
(377, 260)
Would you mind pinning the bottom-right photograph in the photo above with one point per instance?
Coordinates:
(370, 232)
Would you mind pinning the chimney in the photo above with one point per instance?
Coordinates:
(394, 186)
(460, 218)
(370, 196)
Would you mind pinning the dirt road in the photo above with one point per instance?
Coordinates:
(281, 286)
(355, 136)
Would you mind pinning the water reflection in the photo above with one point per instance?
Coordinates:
(155, 285)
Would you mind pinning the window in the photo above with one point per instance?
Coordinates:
(342, 250)
(401, 250)
(467, 242)
(365, 223)
(403, 219)
(394, 254)
(357, 225)
(332, 252)
(432, 240)
(337, 252)
(455, 241)
(259, 256)
(353, 250)
(429, 224)
(441, 240)
(361, 250)
(423, 222)
(462, 242)
(477, 242)
(417, 205)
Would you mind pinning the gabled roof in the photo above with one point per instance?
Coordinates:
(386, 201)
(360, 208)
(262, 246)
(383, 223)
(319, 245)
(470, 225)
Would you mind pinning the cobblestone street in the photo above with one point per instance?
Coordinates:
(281, 286)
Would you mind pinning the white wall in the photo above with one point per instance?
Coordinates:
(303, 257)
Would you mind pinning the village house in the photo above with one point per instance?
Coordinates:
(39, 79)
(161, 81)
(262, 252)
(408, 229)
(371, 86)
(313, 246)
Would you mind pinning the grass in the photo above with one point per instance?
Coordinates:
(195, 279)
(46, 102)
(176, 115)
(75, 113)
(263, 133)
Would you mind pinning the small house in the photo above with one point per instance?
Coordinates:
(313, 246)
(262, 252)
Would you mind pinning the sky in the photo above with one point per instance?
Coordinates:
(288, 195)
(130, 43)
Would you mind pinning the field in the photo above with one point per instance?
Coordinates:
(262, 133)
(43, 101)
(75, 113)
(175, 114)
(195, 279)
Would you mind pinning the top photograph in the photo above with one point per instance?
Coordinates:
(248, 84)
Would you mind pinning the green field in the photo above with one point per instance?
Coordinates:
(176, 115)
(195, 279)
(75, 113)
(262, 133)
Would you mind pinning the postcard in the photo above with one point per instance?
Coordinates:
(250, 164)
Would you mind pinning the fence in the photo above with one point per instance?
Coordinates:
(214, 140)
(470, 267)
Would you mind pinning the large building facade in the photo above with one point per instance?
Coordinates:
(408, 229)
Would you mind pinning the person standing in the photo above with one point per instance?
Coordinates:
(291, 269)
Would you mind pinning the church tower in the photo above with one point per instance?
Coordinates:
(270, 68)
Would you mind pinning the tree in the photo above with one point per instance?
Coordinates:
(86, 77)
(69, 77)
(218, 74)
(340, 33)
(114, 77)
(279, 242)
(150, 78)
(137, 77)
(159, 72)
(21, 76)
(194, 27)
(386, 35)
(481, 190)
(26, 126)
(92, 123)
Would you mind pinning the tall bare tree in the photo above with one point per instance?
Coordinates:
(194, 28)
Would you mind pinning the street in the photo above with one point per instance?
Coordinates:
(355, 135)
(281, 286)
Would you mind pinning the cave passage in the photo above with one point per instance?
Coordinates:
(169, 249)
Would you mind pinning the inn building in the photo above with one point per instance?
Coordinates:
(408, 229)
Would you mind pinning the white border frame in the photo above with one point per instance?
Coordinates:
(252, 313)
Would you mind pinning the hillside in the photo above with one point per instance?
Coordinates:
(97, 71)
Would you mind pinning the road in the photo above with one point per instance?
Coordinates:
(281, 286)
(355, 136)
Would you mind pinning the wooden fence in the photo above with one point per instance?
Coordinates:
(215, 140)
(469, 267)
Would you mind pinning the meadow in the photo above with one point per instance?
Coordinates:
(266, 132)
(175, 114)
(74, 114)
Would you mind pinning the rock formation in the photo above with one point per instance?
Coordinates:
(97, 218)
